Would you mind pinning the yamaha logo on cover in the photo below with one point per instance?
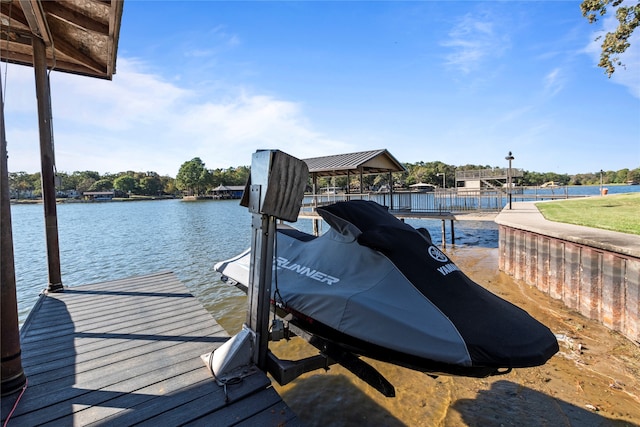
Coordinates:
(437, 254)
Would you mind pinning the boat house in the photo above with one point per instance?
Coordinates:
(353, 164)
(228, 192)
(99, 196)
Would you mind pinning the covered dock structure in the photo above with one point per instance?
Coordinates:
(353, 164)
(227, 191)
(359, 164)
(74, 36)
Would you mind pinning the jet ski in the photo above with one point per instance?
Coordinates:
(377, 287)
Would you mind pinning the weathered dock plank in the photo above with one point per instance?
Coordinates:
(128, 352)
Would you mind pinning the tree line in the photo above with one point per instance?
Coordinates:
(193, 178)
(124, 184)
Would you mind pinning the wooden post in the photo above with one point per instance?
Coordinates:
(348, 185)
(390, 191)
(453, 234)
(43, 95)
(13, 378)
(314, 188)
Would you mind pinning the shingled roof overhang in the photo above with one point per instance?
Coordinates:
(363, 162)
(81, 36)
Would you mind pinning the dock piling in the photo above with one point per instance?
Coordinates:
(13, 378)
(47, 163)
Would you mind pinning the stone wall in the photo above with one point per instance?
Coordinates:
(600, 284)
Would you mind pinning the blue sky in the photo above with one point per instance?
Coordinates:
(459, 82)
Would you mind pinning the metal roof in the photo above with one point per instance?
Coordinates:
(365, 162)
(81, 36)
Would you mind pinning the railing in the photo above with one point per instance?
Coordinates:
(450, 200)
(497, 173)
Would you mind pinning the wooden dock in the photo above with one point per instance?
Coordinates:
(128, 352)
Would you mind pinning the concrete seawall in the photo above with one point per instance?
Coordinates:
(594, 272)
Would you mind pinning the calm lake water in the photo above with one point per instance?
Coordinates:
(106, 241)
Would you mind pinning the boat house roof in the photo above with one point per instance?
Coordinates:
(81, 36)
(220, 188)
(422, 185)
(363, 162)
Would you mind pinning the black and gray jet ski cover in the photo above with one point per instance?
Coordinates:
(380, 288)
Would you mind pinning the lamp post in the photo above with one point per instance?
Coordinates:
(444, 182)
(601, 172)
(509, 158)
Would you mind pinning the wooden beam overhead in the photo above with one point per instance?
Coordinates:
(81, 35)
(75, 18)
(32, 10)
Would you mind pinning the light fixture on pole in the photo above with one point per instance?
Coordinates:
(509, 158)
(444, 182)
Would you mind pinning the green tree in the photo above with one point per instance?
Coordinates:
(634, 175)
(192, 176)
(615, 43)
(151, 185)
(241, 174)
(125, 183)
(84, 180)
(230, 176)
(168, 185)
(102, 185)
(20, 183)
(621, 176)
(205, 182)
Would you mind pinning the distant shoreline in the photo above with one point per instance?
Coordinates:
(115, 199)
(168, 197)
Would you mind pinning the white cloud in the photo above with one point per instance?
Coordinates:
(131, 99)
(553, 82)
(220, 40)
(473, 40)
(141, 122)
(222, 131)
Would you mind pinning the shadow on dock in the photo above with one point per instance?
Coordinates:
(128, 352)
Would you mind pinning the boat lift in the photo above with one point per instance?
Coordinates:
(274, 192)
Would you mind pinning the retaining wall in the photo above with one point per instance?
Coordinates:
(589, 275)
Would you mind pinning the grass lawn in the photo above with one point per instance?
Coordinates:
(620, 212)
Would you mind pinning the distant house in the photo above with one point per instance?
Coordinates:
(24, 194)
(70, 194)
(228, 192)
(98, 196)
